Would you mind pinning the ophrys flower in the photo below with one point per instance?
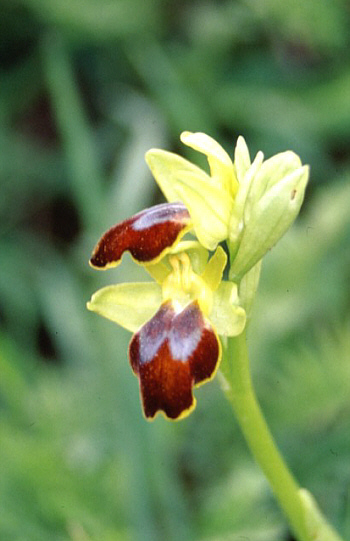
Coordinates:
(177, 319)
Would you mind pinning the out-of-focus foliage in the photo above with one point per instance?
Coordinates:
(87, 86)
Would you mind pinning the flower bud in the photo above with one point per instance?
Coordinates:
(272, 194)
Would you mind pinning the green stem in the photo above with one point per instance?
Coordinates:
(240, 392)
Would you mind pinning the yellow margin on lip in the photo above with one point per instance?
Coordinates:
(153, 261)
(189, 410)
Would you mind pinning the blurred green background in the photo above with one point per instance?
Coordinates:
(87, 86)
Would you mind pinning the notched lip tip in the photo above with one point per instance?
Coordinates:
(160, 413)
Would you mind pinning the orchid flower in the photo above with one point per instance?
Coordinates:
(177, 319)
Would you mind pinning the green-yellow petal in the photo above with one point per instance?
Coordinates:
(246, 184)
(214, 269)
(236, 221)
(130, 305)
(227, 316)
(242, 159)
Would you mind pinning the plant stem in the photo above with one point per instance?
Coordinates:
(240, 392)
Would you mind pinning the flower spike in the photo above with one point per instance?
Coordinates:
(178, 318)
(147, 235)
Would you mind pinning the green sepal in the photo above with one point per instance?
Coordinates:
(180, 180)
(220, 163)
(209, 207)
(227, 316)
(130, 305)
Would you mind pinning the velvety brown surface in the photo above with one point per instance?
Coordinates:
(145, 235)
(170, 354)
